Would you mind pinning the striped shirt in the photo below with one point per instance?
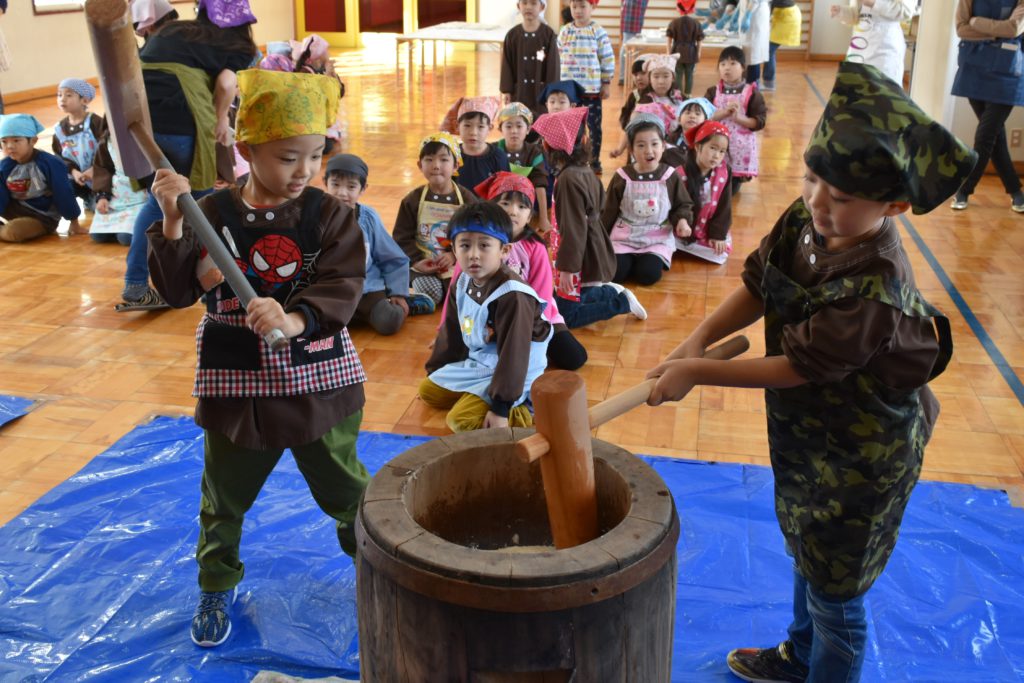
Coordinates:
(586, 55)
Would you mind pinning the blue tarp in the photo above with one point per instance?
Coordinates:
(13, 407)
(97, 579)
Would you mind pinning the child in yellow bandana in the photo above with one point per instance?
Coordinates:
(302, 251)
(421, 227)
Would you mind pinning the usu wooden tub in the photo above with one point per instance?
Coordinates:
(441, 596)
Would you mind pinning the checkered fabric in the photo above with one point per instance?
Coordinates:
(633, 15)
(560, 129)
(278, 375)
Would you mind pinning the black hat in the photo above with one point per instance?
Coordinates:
(348, 164)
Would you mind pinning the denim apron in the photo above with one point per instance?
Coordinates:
(473, 375)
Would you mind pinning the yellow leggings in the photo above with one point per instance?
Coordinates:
(466, 411)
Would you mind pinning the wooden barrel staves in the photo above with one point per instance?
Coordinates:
(457, 579)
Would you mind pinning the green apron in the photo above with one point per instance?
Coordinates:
(845, 454)
(198, 88)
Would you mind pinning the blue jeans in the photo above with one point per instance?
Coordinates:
(769, 66)
(178, 149)
(595, 304)
(626, 69)
(828, 635)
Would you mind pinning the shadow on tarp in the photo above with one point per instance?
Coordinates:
(13, 407)
(97, 579)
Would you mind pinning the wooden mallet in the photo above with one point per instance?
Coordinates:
(562, 443)
(124, 94)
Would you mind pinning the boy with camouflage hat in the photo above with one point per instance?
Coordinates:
(851, 345)
(302, 251)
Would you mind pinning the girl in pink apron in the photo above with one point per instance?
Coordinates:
(741, 108)
(645, 205)
(581, 250)
(707, 180)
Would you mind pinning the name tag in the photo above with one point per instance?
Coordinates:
(1012, 47)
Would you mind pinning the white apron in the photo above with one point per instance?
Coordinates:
(760, 27)
(878, 37)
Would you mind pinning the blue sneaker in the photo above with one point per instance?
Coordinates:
(420, 304)
(211, 624)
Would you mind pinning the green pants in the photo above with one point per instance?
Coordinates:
(233, 477)
(684, 78)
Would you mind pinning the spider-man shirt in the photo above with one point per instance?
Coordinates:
(307, 254)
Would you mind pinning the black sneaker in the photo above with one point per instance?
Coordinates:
(769, 665)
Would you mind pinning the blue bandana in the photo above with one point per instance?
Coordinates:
(702, 102)
(489, 229)
(19, 126)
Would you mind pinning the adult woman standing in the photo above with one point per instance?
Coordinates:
(991, 76)
(787, 24)
(189, 71)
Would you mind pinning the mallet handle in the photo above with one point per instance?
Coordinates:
(535, 445)
(205, 232)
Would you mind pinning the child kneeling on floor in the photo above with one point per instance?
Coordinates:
(386, 301)
(35, 190)
(302, 251)
(494, 339)
(851, 346)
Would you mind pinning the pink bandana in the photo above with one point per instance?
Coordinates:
(560, 129)
(488, 106)
(658, 62)
(664, 112)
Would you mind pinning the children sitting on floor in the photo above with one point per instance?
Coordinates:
(525, 158)
(529, 260)
(581, 250)
(493, 341)
(386, 300)
(707, 181)
(35, 189)
(421, 226)
(646, 206)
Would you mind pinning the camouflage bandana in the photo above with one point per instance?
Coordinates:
(874, 142)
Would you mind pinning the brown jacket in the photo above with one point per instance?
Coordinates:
(586, 247)
(331, 298)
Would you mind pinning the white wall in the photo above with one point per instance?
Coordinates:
(36, 66)
(828, 36)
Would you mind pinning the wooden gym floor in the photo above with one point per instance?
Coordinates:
(98, 373)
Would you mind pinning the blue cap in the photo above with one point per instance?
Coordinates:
(83, 88)
(19, 126)
(571, 88)
(702, 102)
(489, 229)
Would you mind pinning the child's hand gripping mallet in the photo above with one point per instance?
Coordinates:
(124, 94)
(563, 436)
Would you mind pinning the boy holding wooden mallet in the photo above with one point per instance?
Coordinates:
(302, 251)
